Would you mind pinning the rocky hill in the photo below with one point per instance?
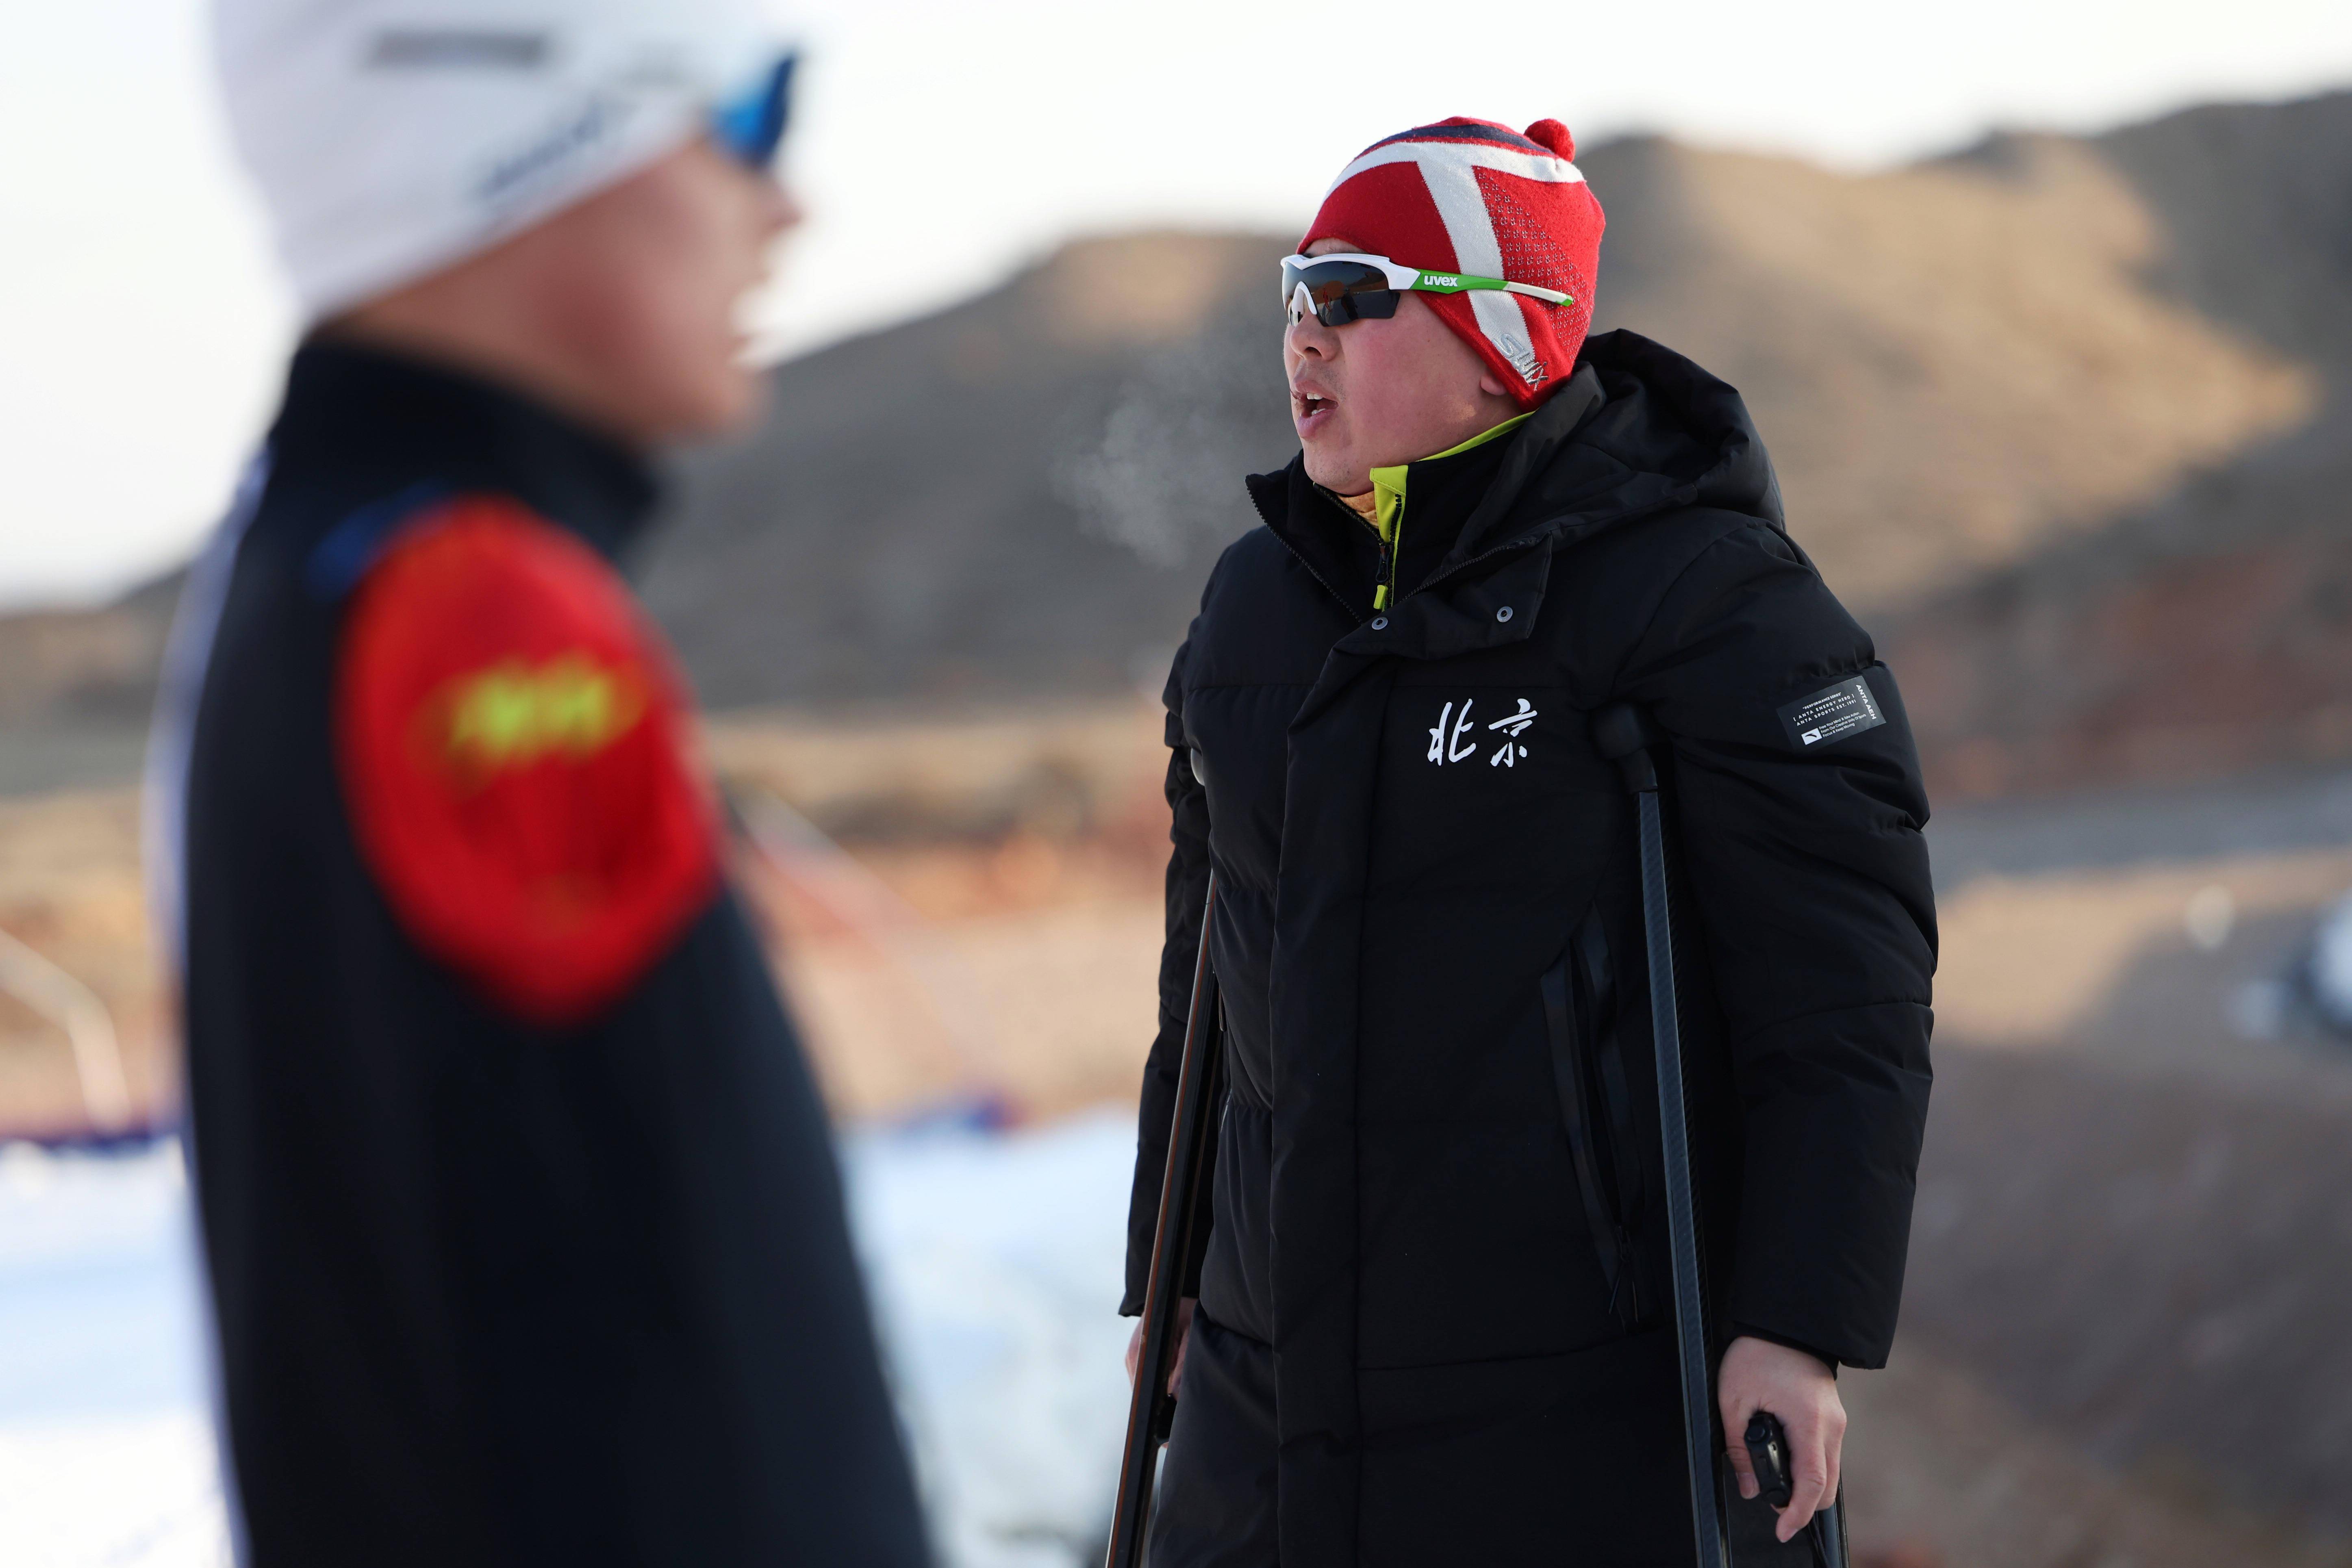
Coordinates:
(1957, 365)
(2064, 419)
(2210, 628)
(936, 510)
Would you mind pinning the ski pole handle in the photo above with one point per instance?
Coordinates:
(1768, 1453)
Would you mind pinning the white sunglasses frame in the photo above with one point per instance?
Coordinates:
(1402, 279)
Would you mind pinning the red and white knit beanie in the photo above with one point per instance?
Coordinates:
(1472, 196)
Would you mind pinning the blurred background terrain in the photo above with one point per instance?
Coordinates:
(2067, 420)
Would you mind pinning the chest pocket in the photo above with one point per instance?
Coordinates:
(1596, 1105)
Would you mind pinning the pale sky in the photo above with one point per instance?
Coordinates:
(143, 327)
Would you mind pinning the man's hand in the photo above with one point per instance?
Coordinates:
(1184, 1338)
(1758, 1375)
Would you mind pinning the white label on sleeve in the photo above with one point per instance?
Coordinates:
(1832, 714)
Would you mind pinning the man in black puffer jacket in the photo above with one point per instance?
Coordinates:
(1432, 1321)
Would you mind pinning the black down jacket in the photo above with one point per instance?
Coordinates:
(488, 1290)
(1437, 1173)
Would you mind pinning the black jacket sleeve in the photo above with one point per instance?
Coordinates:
(1809, 879)
(1188, 888)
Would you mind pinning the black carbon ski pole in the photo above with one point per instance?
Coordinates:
(1625, 735)
(1150, 1408)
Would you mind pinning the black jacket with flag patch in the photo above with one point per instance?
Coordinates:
(1437, 1173)
(524, 1233)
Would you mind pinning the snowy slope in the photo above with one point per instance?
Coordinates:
(995, 1263)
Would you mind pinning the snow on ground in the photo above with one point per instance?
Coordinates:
(106, 1455)
(995, 1263)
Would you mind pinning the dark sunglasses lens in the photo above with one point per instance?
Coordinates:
(1341, 291)
(1370, 305)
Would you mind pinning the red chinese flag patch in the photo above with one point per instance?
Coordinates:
(513, 751)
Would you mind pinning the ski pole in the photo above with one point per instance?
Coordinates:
(1625, 735)
(1150, 1408)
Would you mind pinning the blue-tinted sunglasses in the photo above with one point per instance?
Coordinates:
(752, 126)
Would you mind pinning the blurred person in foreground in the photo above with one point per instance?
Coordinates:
(1433, 1322)
(524, 1234)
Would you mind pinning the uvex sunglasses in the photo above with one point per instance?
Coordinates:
(1343, 288)
(750, 127)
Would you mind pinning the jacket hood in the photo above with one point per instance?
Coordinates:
(1662, 434)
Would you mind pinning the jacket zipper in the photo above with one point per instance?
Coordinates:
(1384, 577)
(1385, 563)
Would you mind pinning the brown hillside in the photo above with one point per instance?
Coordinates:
(2211, 630)
(2200, 638)
(92, 663)
(2053, 416)
(1958, 365)
(1952, 364)
(894, 528)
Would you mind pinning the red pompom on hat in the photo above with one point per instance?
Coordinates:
(1473, 196)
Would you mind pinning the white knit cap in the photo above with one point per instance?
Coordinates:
(393, 137)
